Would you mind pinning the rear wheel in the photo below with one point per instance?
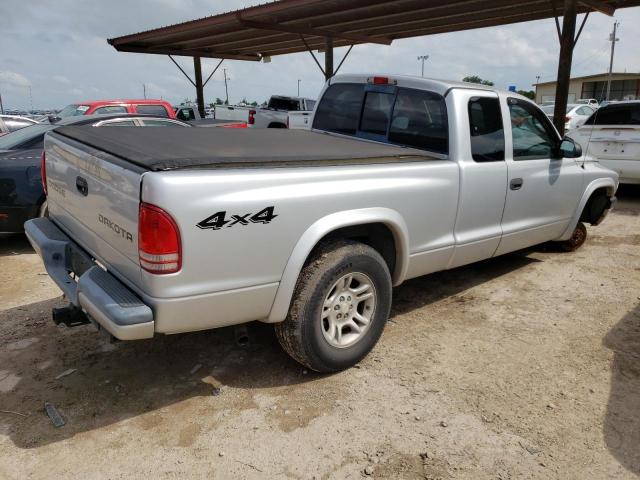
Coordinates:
(340, 307)
(578, 237)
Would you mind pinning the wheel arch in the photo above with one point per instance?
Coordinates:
(600, 184)
(331, 226)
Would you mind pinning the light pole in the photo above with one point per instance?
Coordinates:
(423, 58)
(298, 87)
(613, 39)
(226, 89)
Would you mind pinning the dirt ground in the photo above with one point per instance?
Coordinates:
(524, 366)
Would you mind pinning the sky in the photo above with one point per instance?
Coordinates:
(56, 53)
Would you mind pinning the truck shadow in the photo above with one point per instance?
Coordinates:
(118, 382)
(622, 419)
(14, 244)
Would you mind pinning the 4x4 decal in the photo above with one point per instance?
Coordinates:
(219, 219)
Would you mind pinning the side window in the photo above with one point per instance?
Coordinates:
(110, 109)
(486, 129)
(339, 108)
(585, 111)
(420, 120)
(119, 123)
(532, 135)
(185, 114)
(376, 113)
(157, 110)
(311, 104)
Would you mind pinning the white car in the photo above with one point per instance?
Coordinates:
(588, 101)
(611, 136)
(11, 123)
(576, 114)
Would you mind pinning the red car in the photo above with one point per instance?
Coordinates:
(151, 107)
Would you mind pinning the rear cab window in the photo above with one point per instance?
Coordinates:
(287, 104)
(390, 114)
(157, 110)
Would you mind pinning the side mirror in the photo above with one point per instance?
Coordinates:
(569, 148)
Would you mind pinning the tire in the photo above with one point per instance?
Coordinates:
(312, 334)
(578, 237)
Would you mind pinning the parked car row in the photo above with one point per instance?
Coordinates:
(21, 193)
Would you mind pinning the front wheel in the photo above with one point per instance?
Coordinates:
(340, 307)
(578, 237)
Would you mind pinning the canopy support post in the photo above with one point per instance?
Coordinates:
(567, 40)
(328, 58)
(197, 66)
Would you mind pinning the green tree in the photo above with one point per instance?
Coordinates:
(254, 104)
(528, 93)
(477, 79)
(219, 101)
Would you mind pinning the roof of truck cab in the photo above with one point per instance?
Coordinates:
(412, 81)
(179, 148)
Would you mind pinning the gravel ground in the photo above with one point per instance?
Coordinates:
(524, 366)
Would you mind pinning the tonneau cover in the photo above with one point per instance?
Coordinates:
(167, 148)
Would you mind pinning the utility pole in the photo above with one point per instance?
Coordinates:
(613, 39)
(423, 58)
(1, 106)
(144, 91)
(226, 89)
(298, 87)
(30, 99)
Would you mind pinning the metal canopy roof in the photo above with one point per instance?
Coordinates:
(289, 26)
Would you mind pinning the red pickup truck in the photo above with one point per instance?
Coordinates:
(153, 107)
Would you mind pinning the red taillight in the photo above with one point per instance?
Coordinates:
(43, 172)
(252, 118)
(159, 246)
(566, 119)
(380, 80)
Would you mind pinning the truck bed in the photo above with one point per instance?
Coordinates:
(159, 149)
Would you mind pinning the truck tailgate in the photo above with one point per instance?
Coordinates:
(95, 198)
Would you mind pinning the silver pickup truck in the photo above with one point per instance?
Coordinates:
(162, 231)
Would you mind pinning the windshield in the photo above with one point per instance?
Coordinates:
(24, 136)
(73, 110)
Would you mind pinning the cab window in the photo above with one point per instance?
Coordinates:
(110, 109)
(532, 135)
(157, 110)
(486, 129)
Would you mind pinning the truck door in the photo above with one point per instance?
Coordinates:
(480, 147)
(543, 189)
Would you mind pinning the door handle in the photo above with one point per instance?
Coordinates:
(516, 184)
(82, 186)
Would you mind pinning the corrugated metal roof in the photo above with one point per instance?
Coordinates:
(289, 26)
